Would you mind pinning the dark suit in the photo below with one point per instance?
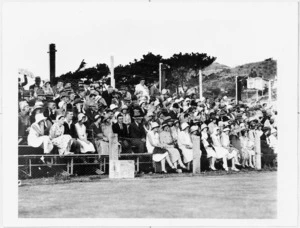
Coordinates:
(122, 133)
(71, 130)
(173, 115)
(50, 115)
(137, 132)
(107, 97)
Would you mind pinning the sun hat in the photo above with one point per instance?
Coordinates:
(194, 128)
(38, 104)
(164, 91)
(124, 107)
(164, 124)
(203, 126)
(177, 101)
(77, 101)
(154, 125)
(176, 121)
(226, 129)
(169, 99)
(181, 99)
(113, 106)
(184, 126)
(142, 102)
(39, 117)
(23, 104)
(81, 116)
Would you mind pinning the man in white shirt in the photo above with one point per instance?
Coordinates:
(141, 90)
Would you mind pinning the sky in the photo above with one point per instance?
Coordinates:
(235, 33)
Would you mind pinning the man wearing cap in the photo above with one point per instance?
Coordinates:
(137, 132)
(141, 89)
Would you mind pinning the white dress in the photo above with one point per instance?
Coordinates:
(220, 151)
(35, 139)
(226, 144)
(247, 146)
(85, 147)
(150, 147)
(209, 150)
(184, 139)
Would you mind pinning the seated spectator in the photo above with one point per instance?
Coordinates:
(185, 143)
(247, 150)
(121, 129)
(36, 137)
(50, 111)
(86, 146)
(24, 121)
(168, 143)
(126, 115)
(77, 109)
(160, 154)
(58, 138)
(221, 152)
(70, 129)
(211, 154)
(234, 153)
(97, 134)
(137, 132)
(37, 108)
(37, 85)
(47, 88)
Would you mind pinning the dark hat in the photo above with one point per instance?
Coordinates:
(134, 97)
(87, 82)
(175, 105)
(77, 101)
(137, 114)
(50, 101)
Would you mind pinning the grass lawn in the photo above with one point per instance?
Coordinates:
(243, 195)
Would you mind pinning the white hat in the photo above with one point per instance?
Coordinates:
(164, 91)
(184, 126)
(61, 104)
(202, 99)
(124, 107)
(181, 99)
(187, 99)
(169, 99)
(113, 106)
(156, 102)
(177, 101)
(117, 113)
(186, 108)
(273, 131)
(194, 128)
(225, 98)
(39, 117)
(203, 126)
(154, 125)
(23, 104)
(81, 116)
(226, 129)
(198, 100)
(142, 102)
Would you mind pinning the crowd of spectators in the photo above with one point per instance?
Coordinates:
(81, 118)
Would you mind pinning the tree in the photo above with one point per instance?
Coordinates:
(185, 66)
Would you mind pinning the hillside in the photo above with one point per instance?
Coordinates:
(220, 79)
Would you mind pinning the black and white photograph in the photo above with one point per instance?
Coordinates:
(150, 110)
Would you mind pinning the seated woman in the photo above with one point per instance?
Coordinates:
(86, 146)
(97, 133)
(221, 152)
(211, 153)
(36, 137)
(185, 143)
(247, 149)
(160, 154)
(168, 143)
(233, 152)
(63, 142)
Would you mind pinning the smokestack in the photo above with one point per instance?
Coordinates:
(52, 62)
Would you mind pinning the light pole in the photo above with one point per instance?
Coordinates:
(112, 75)
(236, 89)
(159, 71)
(200, 84)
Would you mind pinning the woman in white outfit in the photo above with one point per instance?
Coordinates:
(160, 154)
(247, 149)
(86, 146)
(63, 142)
(36, 137)
(211, 153)
(167, 141)
(185, 143)
(221, 152)
(233, 153)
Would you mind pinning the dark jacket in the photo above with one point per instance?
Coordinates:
(70, 130)
(121, 133)
(96, 130)
(136, 131)
(173, 115)
(107, 97)
(50, 116)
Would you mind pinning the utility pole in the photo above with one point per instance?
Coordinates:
(159, 71)
(200, 84)
(112, 73)
(52, 52)
(236, 89)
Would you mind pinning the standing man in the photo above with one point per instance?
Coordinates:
(154, 91)
(141, 89)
